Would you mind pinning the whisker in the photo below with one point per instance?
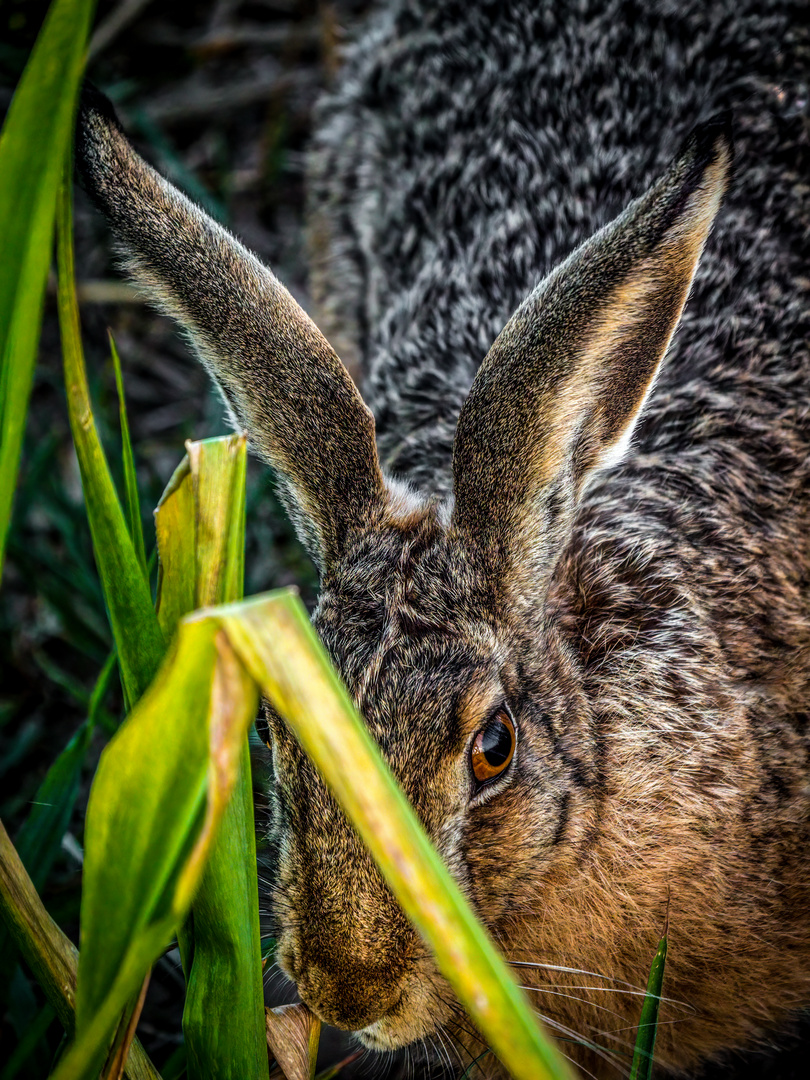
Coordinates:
(574, 971)
(617, 990)
(607, 1055)
(577, 1066)
(571, 997)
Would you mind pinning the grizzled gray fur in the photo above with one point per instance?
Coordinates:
(470, 146)
(564, 555)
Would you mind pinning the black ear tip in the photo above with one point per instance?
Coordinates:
(92, 100)
(95, 118)
(713, 137)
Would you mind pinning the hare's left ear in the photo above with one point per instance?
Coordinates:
(563, 385)
(280, 377)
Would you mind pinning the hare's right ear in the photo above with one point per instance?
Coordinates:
(560, 390)
(280, 377)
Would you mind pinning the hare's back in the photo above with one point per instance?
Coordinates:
(469, 147)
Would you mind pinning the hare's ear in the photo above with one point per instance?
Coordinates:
(560, 390)
(279, 376)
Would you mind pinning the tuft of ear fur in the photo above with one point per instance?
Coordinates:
(562, 387)
(278, 374)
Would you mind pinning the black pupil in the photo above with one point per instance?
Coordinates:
(496, 743)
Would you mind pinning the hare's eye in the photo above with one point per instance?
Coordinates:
(493, 747)
(263, 729)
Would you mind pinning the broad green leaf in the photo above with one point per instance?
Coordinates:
(128, 459)
(200, 527)
(160, 791)
(138, 639)
(277, 644)
(644, 1052)
(33, 148)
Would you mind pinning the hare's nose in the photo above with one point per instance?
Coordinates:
(288, 956)
(350, 998)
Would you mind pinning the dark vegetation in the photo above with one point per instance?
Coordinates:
(218, 94)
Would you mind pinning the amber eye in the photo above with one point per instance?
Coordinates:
(493, 747)
(263, 729)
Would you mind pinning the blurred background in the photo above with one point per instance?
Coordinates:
(218, 95)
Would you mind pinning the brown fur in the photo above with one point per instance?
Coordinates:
(646, 623)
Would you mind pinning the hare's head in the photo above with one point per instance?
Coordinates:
(434, 613)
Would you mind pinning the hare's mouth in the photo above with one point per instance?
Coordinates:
(392, 1032)
(414, 1018)
(375, 1037)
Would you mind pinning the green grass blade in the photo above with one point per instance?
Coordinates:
(132, 501)
(29, 1044)
(277, 644)
(201, 528)
(41, 833)
(643, 1054)
(33, 147)
(137, 635)
(159, 794)
(96, 714)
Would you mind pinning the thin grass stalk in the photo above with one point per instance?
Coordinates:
(50, 955)
(644, 1051)
(138, 639)
(132, 500)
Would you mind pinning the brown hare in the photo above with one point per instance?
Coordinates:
(565, 576)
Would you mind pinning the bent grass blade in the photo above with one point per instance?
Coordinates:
(275, 641)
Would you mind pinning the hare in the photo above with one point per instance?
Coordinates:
(565, 575)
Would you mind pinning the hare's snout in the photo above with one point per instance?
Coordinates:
(349, 996)
(376, 997)
(386, 1003)
(343, 941)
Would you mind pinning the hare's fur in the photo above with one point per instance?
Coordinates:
(635, 585)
